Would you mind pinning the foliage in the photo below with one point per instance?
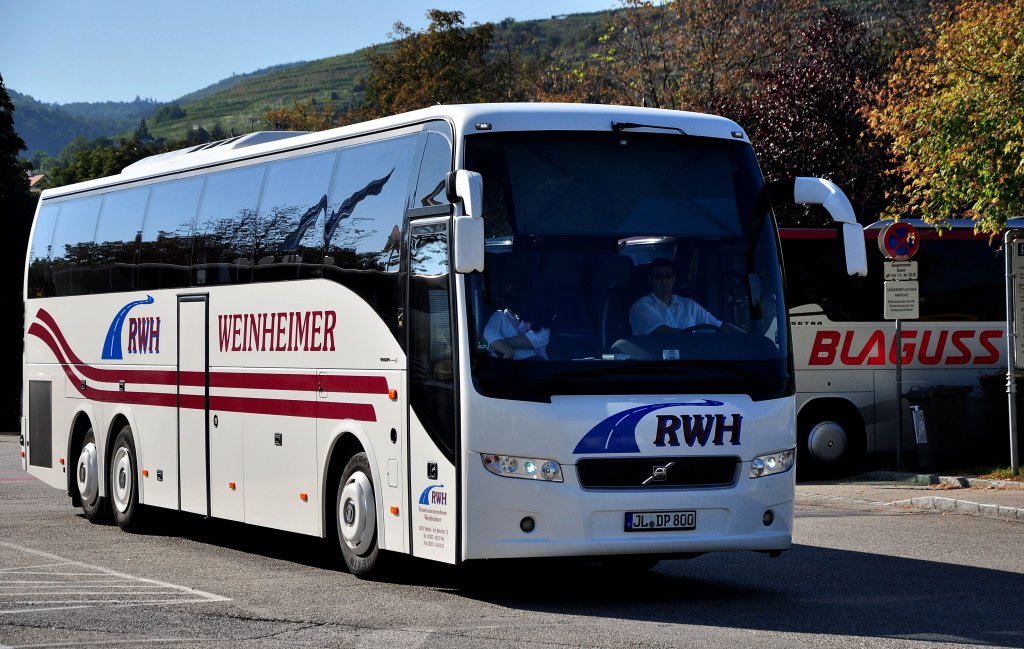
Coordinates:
(49, 127)
(954, 109)
(84, 160)
(18, 204)
(805, 114)
(447, 63)
(305, 116)
(691, 54)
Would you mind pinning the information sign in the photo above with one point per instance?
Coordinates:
(901, 300)
(900, 270)
(1017, 266)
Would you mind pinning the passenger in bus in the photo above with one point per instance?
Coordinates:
(509, 334)
(663, 312)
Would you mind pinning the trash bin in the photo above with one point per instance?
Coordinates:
(938, 425)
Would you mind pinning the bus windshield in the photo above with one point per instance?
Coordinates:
(647, 260)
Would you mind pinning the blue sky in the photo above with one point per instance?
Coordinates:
(114, 50)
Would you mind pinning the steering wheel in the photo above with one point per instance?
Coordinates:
(703, 327)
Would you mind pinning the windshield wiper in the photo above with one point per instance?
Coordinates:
(618, 127)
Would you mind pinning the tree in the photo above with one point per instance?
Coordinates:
(17, 204)
(302, 116)
(83, 160)
(806, 114)
(447, 63)
(954, 110)
(691, 54)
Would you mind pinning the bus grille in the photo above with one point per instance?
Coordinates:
(657, 473)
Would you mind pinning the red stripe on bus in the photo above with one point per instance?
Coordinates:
(244, 380)
(249, 405)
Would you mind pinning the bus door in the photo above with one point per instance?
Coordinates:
(193, 404)
(433, 443)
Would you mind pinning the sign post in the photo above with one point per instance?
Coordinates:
(898, 242)
(1013, 246)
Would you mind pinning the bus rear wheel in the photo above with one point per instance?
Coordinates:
(356, 515)
(124, 484)
(87, 479)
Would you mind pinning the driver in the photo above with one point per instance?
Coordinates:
(661, 311)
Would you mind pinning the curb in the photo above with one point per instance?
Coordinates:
(951, 505)
(957, 506)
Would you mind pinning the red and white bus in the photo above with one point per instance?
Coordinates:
(845, 350)
(287, 330)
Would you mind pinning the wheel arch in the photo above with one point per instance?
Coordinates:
(835, 409)
(347, 439)
(81, 422)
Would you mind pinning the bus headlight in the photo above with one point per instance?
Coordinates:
(772, 463)
(529, 468)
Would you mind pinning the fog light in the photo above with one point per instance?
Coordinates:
(527, 524)
(768, 518)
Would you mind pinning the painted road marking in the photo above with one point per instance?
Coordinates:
(27, 586)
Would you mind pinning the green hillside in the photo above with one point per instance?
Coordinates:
(240, 108)
(337, 80)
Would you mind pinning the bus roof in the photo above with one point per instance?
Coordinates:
(958, 228)
(465, 118)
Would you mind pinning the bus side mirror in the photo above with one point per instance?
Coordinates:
(818, 191)
(467, 187)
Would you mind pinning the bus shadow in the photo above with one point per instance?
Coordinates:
(808, 590)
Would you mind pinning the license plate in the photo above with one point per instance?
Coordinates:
(651, 521)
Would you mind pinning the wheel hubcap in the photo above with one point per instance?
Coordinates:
(122, 492)
(88, 486)
(358, 513)
(827, 442)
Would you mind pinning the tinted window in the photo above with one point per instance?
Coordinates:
(368, 198)
(432, 382)
(573, 223)
(288, 233)
(437, 162)
(363, 227)
(165, 251)
(72, 245)
(40, 282)
(117, 240)
(223, 239)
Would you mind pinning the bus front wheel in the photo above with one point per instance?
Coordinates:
(356, 515)
(87, 479)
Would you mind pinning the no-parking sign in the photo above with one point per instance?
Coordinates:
(898, 241)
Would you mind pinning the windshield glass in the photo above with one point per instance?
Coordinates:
(625, 263)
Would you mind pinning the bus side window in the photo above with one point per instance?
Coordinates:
(437, 162)
(117, 240)
(288, 228)
(222, 251)
(165, 250)
(72, 245)
(363, 226)
(40, 279)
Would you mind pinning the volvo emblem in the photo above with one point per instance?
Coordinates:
(659, 473)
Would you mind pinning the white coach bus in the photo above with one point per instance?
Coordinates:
(288, 330)
(845, 350)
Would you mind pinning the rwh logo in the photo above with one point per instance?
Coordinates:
(617, 434)
(143, 333)
(432, 497)
(696, 429)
